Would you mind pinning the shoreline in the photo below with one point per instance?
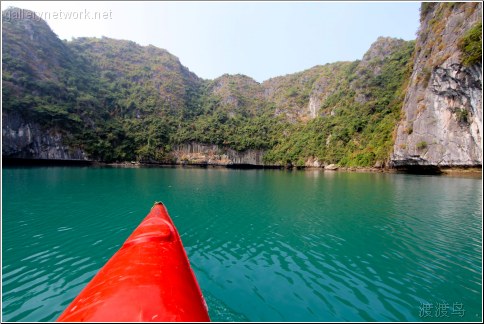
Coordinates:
(473, 171)
(455, 171)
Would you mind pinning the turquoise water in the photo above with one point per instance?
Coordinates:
(265, 245)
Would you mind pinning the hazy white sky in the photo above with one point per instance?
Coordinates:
(259, 39)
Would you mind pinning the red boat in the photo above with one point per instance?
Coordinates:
(149, 279)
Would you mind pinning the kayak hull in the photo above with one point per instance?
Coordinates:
(148, 279)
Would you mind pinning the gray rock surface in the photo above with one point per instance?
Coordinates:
(371, 63)
(442, 123)
(198, 153)
(331, 167)
(30, 141)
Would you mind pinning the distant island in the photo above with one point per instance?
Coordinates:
(405, 104)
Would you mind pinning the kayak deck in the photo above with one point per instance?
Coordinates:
(148, 279)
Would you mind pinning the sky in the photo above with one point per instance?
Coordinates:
(258, 39)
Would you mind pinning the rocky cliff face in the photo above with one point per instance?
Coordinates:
(442, 123)
(237, 94)
(371, 65)
(21, 139)
(120, 101)
(290, 94)
(207, 154)
(303, 96)
(327, 84)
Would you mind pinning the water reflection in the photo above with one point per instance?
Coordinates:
(265, 245)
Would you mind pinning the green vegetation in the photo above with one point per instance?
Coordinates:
(421, 145)
(462, 115)
(425, 8)
(356, 134)
(470, 44)
(434, 17)
(119, 101)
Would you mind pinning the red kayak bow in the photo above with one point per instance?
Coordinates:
(148, 279)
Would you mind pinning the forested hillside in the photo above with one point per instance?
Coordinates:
(114, 100)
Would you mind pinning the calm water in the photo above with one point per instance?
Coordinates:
(265, 245)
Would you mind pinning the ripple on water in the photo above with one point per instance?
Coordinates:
(265, 246)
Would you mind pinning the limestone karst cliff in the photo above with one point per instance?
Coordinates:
(28, 140)
(113, 100)
(442, 123)
(204, 154)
